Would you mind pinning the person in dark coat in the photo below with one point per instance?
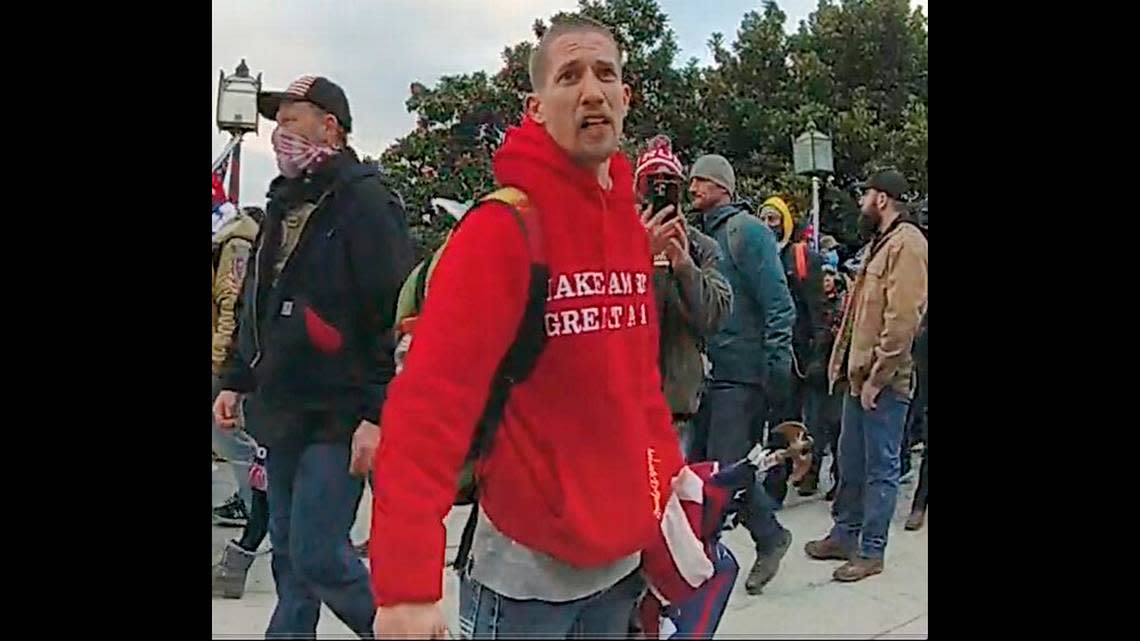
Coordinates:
(803, 270)
(752, 354)
(921, 356)
(314, 350)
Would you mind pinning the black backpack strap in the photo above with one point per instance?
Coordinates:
(521, 356)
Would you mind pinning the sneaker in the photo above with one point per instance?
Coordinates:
(231, 513)
(766, 565)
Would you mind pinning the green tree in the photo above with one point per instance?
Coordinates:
(856, 68)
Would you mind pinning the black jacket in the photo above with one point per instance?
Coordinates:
(811, 337)
(319, 338)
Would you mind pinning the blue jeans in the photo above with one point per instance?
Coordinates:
(312, 505)
(735, 412)
(869, 444)
(485, 614)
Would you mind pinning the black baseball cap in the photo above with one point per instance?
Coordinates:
(318, 90)
(888, 181)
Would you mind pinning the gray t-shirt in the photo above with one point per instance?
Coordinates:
(515, 571)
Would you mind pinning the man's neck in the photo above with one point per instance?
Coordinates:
(603, 172)
(887, 220)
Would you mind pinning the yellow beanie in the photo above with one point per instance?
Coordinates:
(777, 203)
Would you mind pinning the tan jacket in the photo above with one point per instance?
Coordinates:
(883, 312)
(235, 242)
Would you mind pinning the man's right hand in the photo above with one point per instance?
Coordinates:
(678, 249)
(410, 621)
(226, 407)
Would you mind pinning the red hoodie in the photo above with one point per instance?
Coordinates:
(580, 465)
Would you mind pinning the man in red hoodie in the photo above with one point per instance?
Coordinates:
(574, 483)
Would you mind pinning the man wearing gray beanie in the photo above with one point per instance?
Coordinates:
(751, 354)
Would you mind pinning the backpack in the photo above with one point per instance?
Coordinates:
(734, 249)
(520, 358)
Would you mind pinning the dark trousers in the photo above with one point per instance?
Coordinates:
(915, 419)
(257, 527)
(733, 412)
(822, 412)
(921, 399)
(312, 506)
(919, 503)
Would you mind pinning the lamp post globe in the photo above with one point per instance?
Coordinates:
(237, 101)
(811, 155)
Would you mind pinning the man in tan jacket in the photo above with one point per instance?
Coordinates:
(873, 353)
(233, 236)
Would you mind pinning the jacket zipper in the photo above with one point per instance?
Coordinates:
(280, 277)
(256, 320)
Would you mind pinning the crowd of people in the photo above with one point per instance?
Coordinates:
(569, 363)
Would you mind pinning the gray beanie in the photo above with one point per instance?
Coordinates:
(717, 169)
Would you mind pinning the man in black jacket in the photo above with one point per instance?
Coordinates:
(803, 269)
(314, 348)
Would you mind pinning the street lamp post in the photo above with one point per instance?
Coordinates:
(237, 114)
(811, 154)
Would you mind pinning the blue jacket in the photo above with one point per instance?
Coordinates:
(757, 339)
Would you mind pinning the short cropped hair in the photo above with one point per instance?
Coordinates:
(574, 24)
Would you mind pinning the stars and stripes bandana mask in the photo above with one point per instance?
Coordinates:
(296, 154)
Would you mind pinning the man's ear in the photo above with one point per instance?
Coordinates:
(532, 107)
(626, 95)
(332, 127)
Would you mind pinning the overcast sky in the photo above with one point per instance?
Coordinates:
(375, 49)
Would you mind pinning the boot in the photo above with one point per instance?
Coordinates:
(231, 571)
(917, 518)
(858, 569)
(766, 565)
(828, 549)
(810, 484)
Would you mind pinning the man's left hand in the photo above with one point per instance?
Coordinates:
(677, 251)
(364, 443)
(870, 396)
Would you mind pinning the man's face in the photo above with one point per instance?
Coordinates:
(308, 121)
(774, 220)
(706, 194)
(828, 283)
(582, 103)
(871, 207)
